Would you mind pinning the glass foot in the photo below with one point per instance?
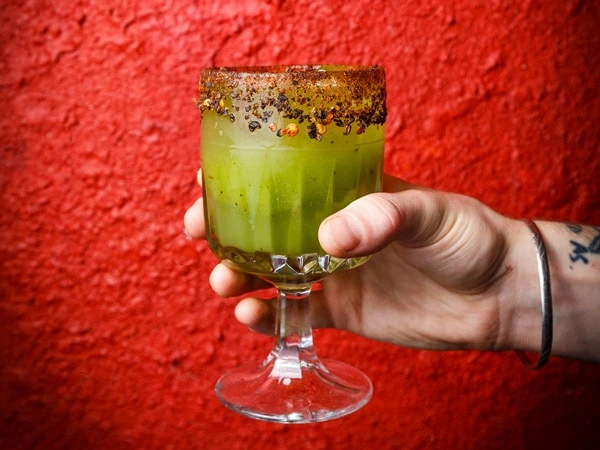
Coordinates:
(280, 390)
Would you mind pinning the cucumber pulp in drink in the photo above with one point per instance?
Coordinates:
(273, 198)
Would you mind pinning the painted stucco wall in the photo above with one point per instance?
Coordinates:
(109, 335)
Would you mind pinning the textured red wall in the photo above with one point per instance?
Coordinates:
(109, 334)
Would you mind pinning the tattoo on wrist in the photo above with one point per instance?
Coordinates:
(575, 228)
(580, 249)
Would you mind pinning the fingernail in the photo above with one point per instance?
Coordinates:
(343, 233)
(187, 235)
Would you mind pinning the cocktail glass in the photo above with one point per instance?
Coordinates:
(282, 148)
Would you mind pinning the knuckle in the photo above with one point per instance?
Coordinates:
(376, 214)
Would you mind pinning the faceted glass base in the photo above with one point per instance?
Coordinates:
(284, 271)
(281, 390)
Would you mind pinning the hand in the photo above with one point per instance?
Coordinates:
(433, 281)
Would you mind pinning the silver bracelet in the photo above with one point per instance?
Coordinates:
(546, 297)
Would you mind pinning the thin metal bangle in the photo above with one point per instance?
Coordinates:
(546, 297)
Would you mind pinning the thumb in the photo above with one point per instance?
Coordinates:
(413, 217)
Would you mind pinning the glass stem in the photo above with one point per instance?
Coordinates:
(293, 349)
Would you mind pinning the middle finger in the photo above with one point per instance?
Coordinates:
(228, 282)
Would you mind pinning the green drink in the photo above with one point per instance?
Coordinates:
(278, 160)
(282, 148)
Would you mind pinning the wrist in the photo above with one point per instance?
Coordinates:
(576, 310)
(519, 299)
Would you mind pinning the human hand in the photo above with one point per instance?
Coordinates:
(433, 282)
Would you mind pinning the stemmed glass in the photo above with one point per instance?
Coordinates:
(282, 148)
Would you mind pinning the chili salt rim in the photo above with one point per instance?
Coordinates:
(350, 97)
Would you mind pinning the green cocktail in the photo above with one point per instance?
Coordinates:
(278, 161)
(282, 148)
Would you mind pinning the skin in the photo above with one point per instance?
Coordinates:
(447, 272)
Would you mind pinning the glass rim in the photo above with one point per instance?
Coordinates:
(294, 68)
(330, 75)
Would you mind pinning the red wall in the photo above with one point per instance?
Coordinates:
(109, 334)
